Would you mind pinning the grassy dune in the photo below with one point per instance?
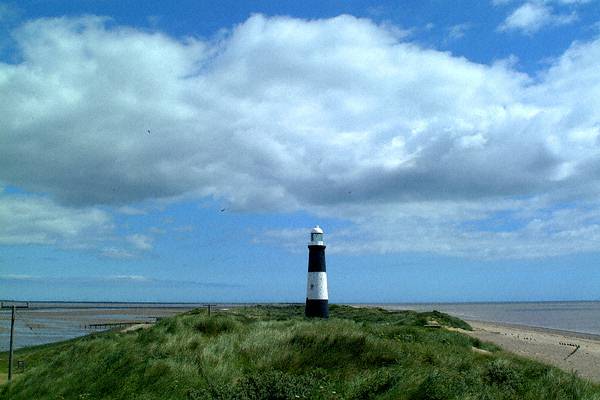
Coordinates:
(274, 353)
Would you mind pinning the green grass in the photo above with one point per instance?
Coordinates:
(269, 352)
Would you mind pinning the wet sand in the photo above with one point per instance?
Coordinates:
(569, 351)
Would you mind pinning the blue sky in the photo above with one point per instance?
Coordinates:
(152, 152)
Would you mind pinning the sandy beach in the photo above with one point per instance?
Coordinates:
(572, 352)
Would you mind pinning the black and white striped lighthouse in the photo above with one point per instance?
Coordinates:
(316, 290)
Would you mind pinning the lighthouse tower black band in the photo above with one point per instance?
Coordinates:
(317, 302)
(316, 258)
(317, 308)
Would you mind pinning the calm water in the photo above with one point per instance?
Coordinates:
(52, 322)
(581, 317)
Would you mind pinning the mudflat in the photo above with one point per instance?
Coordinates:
(572, 352)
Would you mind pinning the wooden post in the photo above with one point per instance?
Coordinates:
(209, 306)
(13, 308)
(12, 334)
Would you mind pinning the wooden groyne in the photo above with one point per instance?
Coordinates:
(120, 324)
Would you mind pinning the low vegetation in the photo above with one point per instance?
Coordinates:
(270, 352)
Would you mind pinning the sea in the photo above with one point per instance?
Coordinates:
(47, 322)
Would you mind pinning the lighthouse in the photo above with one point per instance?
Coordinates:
(317, 299)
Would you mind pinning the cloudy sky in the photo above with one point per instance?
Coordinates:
(153, 152)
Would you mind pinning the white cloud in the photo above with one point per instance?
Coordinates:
(184, 228)
(458, 31)
(32, 220)
(17, 277)
(568, 2)
(341, 90)
(128, 210)
(140, 242)
(532, 16)
(156, 230)
(517, 230)
(131, 278)
(557, 2)
(339, 117)
(65, 281)
(117, 253)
